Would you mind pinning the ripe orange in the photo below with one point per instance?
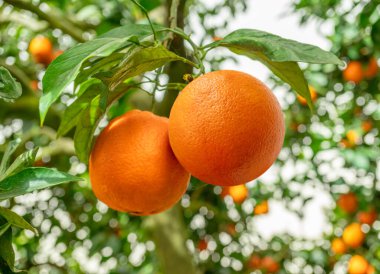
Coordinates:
(353, 137)
(238, 193)
(226, 128)
(367, 217)
(254, 262)
(366, 126)
(269, 265)
(348, 202)
(41, 49)
(313, 94)
(261, 208)
(34, 85)
(354, 72)
(202, 245)
(56, 54)
(371, 270)
(357, 265)
(353, 236)
(372, 68)
(132, 167)
(338, 246)
(230, 229)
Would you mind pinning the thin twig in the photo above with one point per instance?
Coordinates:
(147, 17)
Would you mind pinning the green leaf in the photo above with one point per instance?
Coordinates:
(4, 228)
(65, 68)
(16, 220)
(24, 160)
(6, 251)
(140, 60)
(32, 178)
(12, 145)
(9, 88)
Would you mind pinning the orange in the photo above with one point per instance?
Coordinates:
(261, 208)
(226, 128)
(313, 95)
(254, 262)
(202, 245)
(348, 202)
(238, 193)
(353, 235)
(366, 126)
(372, 68)
(371, 270)
(216, 38)
(269, 265)
(354, 72)
(353, 137)
(367, 217)
(132, 167)
(358, 265)
(230, 229)
(41, 49)
(338, 246)
(56, 54)
(34, 85)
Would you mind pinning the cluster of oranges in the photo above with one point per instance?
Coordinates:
(267, 264)
(353, 236)
(225, 128)
(42, 51)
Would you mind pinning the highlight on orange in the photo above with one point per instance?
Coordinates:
(238, 193)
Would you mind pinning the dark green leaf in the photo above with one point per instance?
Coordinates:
(4, 228)
(9, 88)
(140, 60)
(12, 145)
(32, 178)
(6, 250)
(64, 69)
(24, 160)
(16, 220)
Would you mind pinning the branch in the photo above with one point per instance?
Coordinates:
(53, 18)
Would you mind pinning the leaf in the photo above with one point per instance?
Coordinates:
(4, 228)
(6, 251)
(33, 178)
(16, 220)
(26, 159)
(9, 88)
(64, 69)
(140, 60)
(12, 145)
(279, 55)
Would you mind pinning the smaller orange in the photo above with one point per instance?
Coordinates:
(367, 125)
(261, 208)
(353, 236)
(353, 137)
(231, 229)
(202, 245)
(358, 265)
(345, 143)
(57, 53)
(41, 49)
(34, 85)
(238, 193)
(313, 95)
(372, 68)
(348, 202)
(338, 246)
(254, 262)
(216, 38)
(353, 72)
(270, 265)
(371, 270)
(367, 217)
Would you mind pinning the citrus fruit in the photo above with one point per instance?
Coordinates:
(372, 68)
(132, 167)
(254, 262)
(366, 126)
(238, 193)
(367, 217)
(353, 235)
(354, 72)
(357, 265)
(269, 265)
(348, 202)
(41, 49)
(226, 128)
(338, 246)
(261, 208)
(313, 95)
(202, 245)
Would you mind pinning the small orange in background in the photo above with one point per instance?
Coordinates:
(371, 270)
(269, 265)
(353, 137)
(338, 246)
(358, 265)
(254, 262)
(367, 125)
(34, 85)
(41, 49)
(367, 217)
(353, 236)
(348, 202)
(261, 208)
(202, 245)
(132, 167)
(216, 38)
(353, 72)
(372, 68)
(231, 229)
(238, 193)
(57, 53)
(313, 95)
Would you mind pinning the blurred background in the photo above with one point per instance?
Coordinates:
(290, 220)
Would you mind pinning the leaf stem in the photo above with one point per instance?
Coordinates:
(147, 17)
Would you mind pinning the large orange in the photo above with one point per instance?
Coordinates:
(353, 235)
(226, 128)
(354, 72)
(348, 202)
(238, 193)
(132, 167)
(358, 265)
(41, 49)
(338, 246)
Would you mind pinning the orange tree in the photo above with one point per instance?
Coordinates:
(129, 57)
